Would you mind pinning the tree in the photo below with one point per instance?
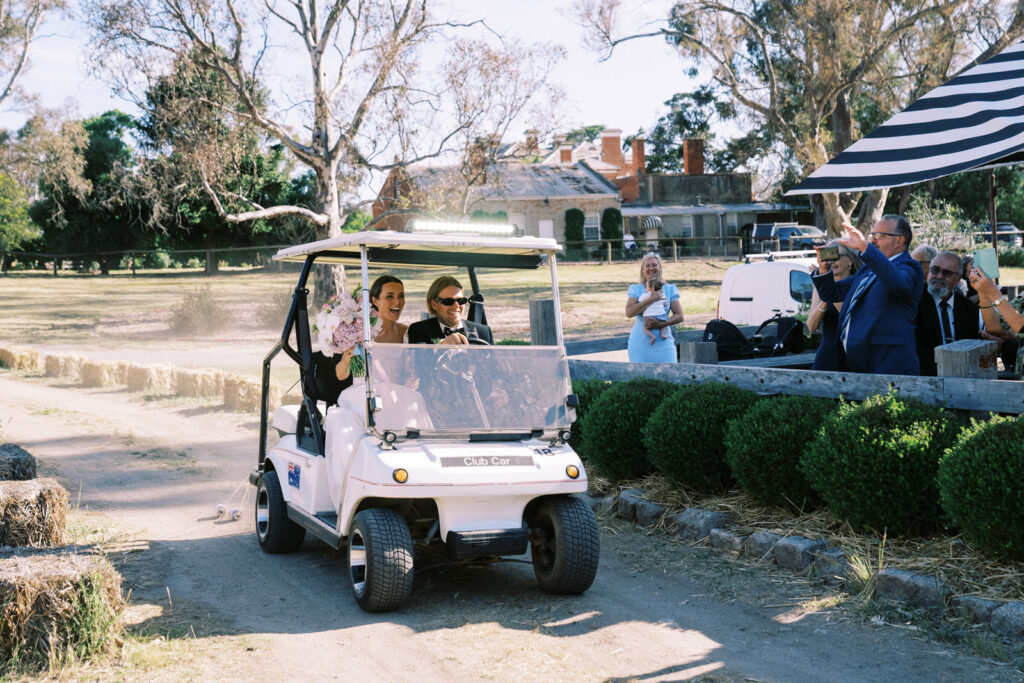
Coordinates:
(574, 220)
(101, 219)
(195, 138)
(362, 103)
(16, 228)
(19, 23)
(815, 75)
(691, 115)
(611, 224)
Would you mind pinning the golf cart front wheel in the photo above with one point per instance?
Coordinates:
(380, 560)
(275, 532)
(565, 545)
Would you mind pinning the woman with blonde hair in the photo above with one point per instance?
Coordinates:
(642, 349)
(825, 315)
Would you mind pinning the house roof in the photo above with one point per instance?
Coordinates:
(515, 180)
(684, 210)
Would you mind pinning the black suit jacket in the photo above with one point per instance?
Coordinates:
(928, 332)
(426, 331)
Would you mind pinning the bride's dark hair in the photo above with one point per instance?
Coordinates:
(378, 286)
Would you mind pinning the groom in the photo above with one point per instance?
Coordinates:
(445, 301)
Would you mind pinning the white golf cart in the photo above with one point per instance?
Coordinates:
(458, 450)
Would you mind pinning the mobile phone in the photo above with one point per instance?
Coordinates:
(829, 253)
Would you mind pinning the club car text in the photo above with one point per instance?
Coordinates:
(488, 461)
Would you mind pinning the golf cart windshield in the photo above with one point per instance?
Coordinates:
(479, 389)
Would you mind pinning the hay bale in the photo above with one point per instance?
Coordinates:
(62, 365)
(55, 604)
(14, 359)
(120, 372)
(32, 513)
(243, 395)
(198, 383)
(97, 374)
(148, 377)
(16, 464)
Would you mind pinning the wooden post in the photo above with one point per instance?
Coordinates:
(968, 358)
(704, 353)
(675, 252)
(133, 264)
(609, 243)
(542, 322)
(55, 265)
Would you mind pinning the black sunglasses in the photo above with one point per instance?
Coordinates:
(448, 301)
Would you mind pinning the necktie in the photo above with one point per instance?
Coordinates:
(848, 310)
(947, 332)
(449, 331)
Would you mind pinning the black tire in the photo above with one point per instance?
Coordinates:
(380, 560)
(565, 545)
(274, 531)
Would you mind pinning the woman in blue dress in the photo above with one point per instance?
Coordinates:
(641, 348)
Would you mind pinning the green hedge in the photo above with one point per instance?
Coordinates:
(763, 448)
(685, 435)
(574, 220)
(981, 484)
(613, 427)
(587, 391)
(875, 462)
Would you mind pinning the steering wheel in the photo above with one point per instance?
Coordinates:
(477, 341)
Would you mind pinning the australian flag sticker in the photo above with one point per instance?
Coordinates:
(294, 473)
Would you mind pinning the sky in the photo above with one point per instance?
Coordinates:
(627, 91)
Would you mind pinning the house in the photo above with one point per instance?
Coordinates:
(534, 196)
(693, 205)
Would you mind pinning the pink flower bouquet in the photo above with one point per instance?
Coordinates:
(339, 323)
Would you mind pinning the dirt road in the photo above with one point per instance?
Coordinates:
(659, 610)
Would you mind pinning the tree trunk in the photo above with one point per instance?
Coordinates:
(212, 266)
(330, 280)
(871, 209)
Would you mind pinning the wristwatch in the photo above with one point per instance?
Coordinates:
(999, 301)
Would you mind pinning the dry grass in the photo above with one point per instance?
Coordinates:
(198, 383)
(243, 395)
(16, 464)
(32, 513)
(959, 566)
(55, 607)
(19, 359)
(152, 378)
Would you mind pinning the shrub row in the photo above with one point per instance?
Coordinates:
(887, 463)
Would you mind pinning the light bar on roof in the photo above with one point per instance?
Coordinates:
(446, 228)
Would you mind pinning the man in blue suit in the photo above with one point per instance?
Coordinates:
(876, 323)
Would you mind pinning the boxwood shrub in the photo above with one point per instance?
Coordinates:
(614, 423)
(875, 462)
(685, 435)
(981, 484)
(763, 448)
(587, 391)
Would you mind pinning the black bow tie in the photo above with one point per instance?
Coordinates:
(449, 331)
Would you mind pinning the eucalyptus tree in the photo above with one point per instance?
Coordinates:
(348, 87)
(816, 75)
(19, 26)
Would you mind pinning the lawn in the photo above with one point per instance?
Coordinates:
(124, 317)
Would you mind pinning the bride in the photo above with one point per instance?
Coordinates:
(387, 296)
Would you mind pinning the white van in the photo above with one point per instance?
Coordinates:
(753, 292)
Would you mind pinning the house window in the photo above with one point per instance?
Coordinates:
(687, 224)
(730, 224)
(591, 227)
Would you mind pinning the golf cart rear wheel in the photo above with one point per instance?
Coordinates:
(565, 545)
(275, 532)
(380, 560)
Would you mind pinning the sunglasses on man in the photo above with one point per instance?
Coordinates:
(448, 300)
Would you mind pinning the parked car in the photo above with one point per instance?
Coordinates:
(1007, 233)
(791, 236)
(753, 292)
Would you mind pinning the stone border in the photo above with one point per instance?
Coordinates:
(813, 556)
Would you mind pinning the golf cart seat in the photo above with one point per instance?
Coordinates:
(286, 419)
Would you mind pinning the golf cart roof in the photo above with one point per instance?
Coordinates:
(405, 249)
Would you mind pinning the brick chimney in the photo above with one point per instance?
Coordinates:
(532, 136)
(639, 158)
(693, 156)
(611, 147)
(565, 150)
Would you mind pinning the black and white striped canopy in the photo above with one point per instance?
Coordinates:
(653, 223)
(974, 121)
